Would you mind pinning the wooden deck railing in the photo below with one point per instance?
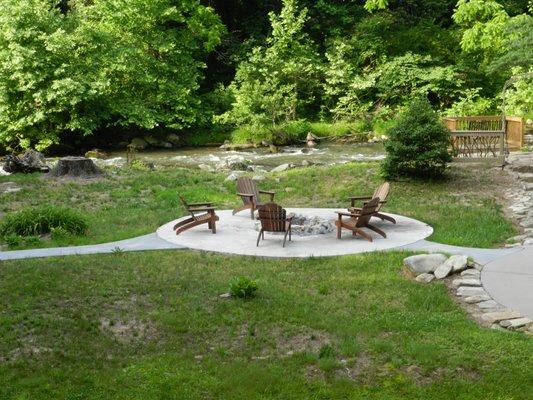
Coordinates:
(485, 136)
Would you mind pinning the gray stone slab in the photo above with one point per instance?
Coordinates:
(470, 291)
(500, 315)
(482, 256)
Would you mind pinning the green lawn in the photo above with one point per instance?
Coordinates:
(151, 326)
(129, 203)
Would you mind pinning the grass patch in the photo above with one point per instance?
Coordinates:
(150, 325)
(41, 220)
(129, 203)
(295, 132)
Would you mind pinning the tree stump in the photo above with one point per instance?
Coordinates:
(76, 167)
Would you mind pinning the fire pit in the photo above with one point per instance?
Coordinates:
(305, 225)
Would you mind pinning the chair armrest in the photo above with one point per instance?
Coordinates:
(347, 214)
(269, 192)
(207, 204)
(360, 197)
(193, 209)
(245, 194)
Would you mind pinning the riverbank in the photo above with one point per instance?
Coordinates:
(128, 202)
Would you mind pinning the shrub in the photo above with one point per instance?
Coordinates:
(418, 144)
(41, 220)
(243, 287)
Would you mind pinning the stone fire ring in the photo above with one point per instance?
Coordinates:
(236, 234)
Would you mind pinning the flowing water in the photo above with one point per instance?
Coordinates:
(214, 157)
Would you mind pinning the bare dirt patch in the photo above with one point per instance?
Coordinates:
(128, 331)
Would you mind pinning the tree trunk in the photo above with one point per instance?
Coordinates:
(75, 167)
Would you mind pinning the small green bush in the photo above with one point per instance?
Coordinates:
(40, 220)
(243, 287)
(13, 240)
(417, 144)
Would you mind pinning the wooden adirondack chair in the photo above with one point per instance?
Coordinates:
(209, 217)
(382, 192)
(358, 220)
(274, 219)
(250, 196)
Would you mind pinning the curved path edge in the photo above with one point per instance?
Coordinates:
(140, 243)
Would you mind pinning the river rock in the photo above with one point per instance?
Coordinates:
(234, 175)
(488, 304)
(443, 271)
(173, 139)
(155, 142)
(205, 167)
(138, 144)
(477, 298)
(466, 282)
(423, 263)
(96, 153)
(258, 178)
(239, 166)
(471, 272)
(470, 291)
(30, 161)
(458, 263)
(425, 278)
(282, 167)
(233, 146)
(515, 323)
(500, 316)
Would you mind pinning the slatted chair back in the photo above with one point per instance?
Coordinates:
(248, 186)
(273, 218)
(369, 209)
(382, 191)
(186, 205)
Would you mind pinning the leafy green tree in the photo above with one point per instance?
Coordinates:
(100, 63)
(279, 81)
(503, 44)
(417, 145)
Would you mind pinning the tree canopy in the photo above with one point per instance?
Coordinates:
(70, 68)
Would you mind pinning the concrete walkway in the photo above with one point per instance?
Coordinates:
(509, 281)
(140, 243)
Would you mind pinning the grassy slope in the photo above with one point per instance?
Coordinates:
(398, 339)
(131, 203)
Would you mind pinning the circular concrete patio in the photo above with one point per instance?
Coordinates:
(236, 234)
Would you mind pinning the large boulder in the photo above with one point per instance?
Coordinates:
(30, 161)
(281, 168)
(96, 153)
(443, 271)
(457, 263)
(173, 139)
(155, 142)
(138, 144)
(423, 263)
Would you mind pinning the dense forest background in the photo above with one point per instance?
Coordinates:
(202, 71)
